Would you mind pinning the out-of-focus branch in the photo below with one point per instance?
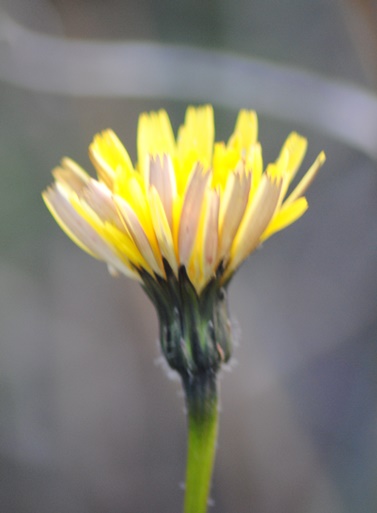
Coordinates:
(361, 18)
(57, 65)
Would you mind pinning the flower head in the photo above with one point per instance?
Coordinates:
(183, 219)
(188, 202)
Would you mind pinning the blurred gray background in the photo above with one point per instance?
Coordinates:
(89, 419)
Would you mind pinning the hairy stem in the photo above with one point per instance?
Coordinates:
(201, 399)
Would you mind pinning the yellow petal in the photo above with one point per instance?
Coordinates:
(254, 163)
(224, 162)
(197, 132)
(286, 216)
(195, 142)
(126, 246)
(154, 137)
(255, 221)
(295, 145)
(246, 130)
(108, 155)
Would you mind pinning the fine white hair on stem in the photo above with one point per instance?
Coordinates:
(170, 373)
(236, 331)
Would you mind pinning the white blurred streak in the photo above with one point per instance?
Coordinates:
(52, 64)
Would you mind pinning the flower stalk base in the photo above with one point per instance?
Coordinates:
(202, 411)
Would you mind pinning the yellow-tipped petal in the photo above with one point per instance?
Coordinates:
(108, 155)
(307, 179)
(295, 146)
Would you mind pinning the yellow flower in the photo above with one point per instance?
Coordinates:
(189, 202)
(181, 221)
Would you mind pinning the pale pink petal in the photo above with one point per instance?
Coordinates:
(71, 175)
(162, 229)
(191, 212)
(162, 178)
(81, 232)
(255, 221)
(98, 197)
(211, 234)
(233, 205)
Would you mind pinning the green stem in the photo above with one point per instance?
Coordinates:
(201, 398)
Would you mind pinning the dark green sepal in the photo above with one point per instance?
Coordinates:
(195, 330)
